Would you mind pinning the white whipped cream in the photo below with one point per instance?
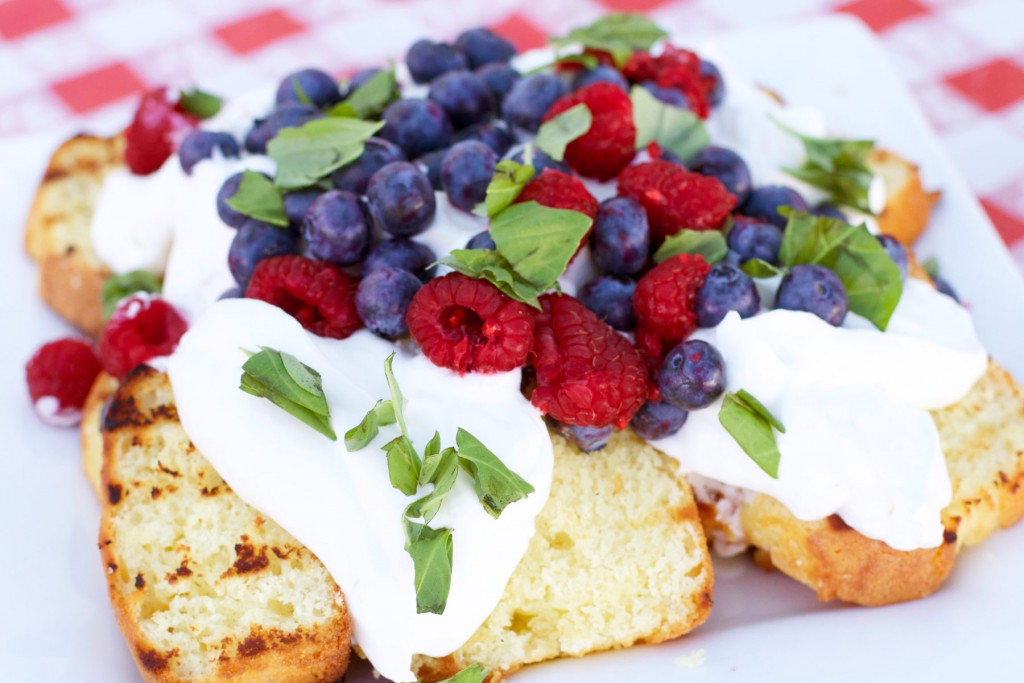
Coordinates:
(859, 440)
(341, 505)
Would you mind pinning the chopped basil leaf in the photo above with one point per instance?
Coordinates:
(370, 99)
(487, 264)
(445, 470)
(289, 384)
(757, 268)
(403, 464)
(509, 180)
(117, 287)
(474, 673)
(397, 402)
(431, 552)
(584, 60)
(760, 409)
(359, 436)
(707, 243)
(258, 197)
(556, 134)
(751, 430)
(431, 458)
(310, 152)
(539, 241)
(618, 34)
(837, 166)
(201, 104)
(871, 278)
(496, 485)
(678, 130)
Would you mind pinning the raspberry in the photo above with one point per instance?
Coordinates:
(587, 374)
(651, 347)
(665, 298)
(608, 146)
(157, 128)
(676, 199)
(141, 328)
(673, 68)
(316, 293)
(559, 190)
(59, 377)
(467, 325)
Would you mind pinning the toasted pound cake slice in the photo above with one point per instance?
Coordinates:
(983, 441)
(619, 558)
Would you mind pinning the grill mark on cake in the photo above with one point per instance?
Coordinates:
(283, 554)
(836, 523)
(247, 559)
(182, 572)
(260, 640)
(154, 660)
(167, 470)
(114, 493)
(165, 411)
(154, 492)
(140, 582)
(949, 536)
(208, 492)
(124, 412)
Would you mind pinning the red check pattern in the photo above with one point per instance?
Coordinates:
(78, 64)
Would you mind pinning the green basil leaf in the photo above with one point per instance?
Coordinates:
(359, 436)
(258, 197)
(117, 287)
(445, 467)
(370, 99)
(707, 243)
(757, 268)
(496, 485)
(397, 401)
(310, 152)
(554, 135)
(539, 241)
(431, 459)
(678, 130)
(474, 673)
(584, 60)
(199, 103)
(837, 166)
(871, 278)
(752, 432)
(403, 464)
(760, 409)
(289, 384)
(509, 180)
(489, 265)
(431, 552)
(619, 34)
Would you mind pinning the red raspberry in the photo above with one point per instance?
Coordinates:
(587, 373)
(558, 190)
(158, 126)
(674, 68)
(467, 325)
(651, 347)
(316, 293)
(609, 145)
(676, 199)
(59, 377)
(664, 298)
(142, 327)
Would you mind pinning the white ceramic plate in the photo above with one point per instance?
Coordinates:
(56, 624)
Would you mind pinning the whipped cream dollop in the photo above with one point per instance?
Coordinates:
(341, 505)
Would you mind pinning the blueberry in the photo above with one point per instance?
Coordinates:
(430, 164)
(308, 86)
(828, 211)
(587, 439)
(499, 79)
(600, 74)
(427, 60)
(670, 96)
(254, 242)
(466, 172)
(710, 72)
(897, 252)
(401, 253)
(611, 299)
(464, 97)
(658, 420)
(727, 166)
(726, 288)
(401, 199)
(815, 289)
(539, 160)
(296, 204)
(228, 190)
(377, 153)
(283, 116)
(482, 46)
(481, 240)
(530, 98)
(382, 300)
(199, 145)
(417, 126)
(692, 375)
(235, 292)
(361, 77)
(764, 203)
(494, 134)
(621, 237)
(751, 238)
(335, 228)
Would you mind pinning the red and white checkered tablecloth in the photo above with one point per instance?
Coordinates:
(77, 64)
